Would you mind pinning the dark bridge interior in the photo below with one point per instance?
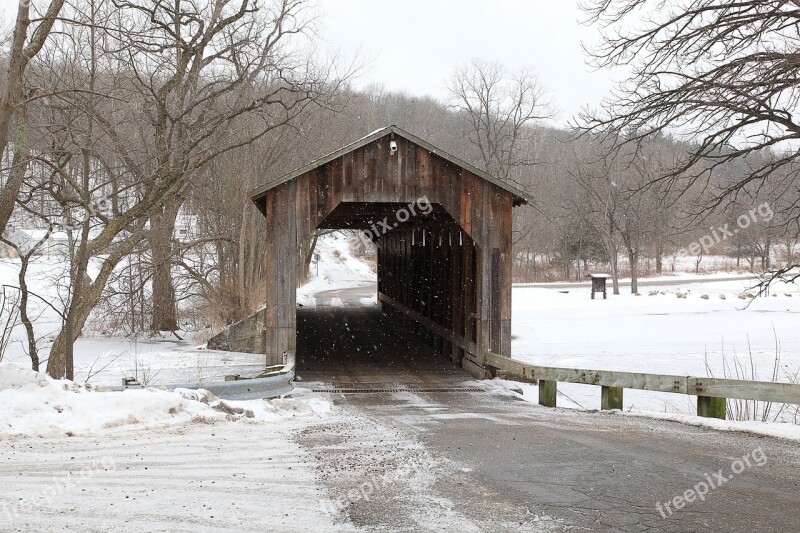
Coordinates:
(426, 269)
(362, 347)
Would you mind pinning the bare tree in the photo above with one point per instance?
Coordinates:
(598, 201)
(9, 316)
(24, 313)
(500, 110)
(727, 72)
(26, 42)
(182, 85)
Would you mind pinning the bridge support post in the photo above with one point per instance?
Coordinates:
(611, 398)
(547, 392)
(710, 407)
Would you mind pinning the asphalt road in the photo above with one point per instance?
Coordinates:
(492, 462)
(488, 461)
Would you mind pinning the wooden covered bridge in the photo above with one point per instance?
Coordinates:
(441, 226)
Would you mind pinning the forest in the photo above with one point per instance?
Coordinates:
(131, 133)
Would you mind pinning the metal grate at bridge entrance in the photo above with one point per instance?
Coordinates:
(383, 391)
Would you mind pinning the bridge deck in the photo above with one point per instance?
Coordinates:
(358, 346)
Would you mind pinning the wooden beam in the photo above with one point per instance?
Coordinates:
(548, 390)
(507, 367)
(430, 325)
(765, 391)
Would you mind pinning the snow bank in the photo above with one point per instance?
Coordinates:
(782, 430)
(530, 393)
(32, 404)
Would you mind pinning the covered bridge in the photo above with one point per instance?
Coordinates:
(441, 226)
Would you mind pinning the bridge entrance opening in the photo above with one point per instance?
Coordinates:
(413, 321)
(442, 229)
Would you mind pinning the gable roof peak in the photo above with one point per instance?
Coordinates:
(520, 197)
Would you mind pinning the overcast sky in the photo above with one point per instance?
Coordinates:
(414, 45)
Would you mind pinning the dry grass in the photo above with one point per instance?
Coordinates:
(744, 367)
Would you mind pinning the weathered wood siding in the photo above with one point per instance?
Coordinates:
(460, 279)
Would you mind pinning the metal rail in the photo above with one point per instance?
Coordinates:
(269, 385)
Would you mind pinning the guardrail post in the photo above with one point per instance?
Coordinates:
(711, 407)
(610, 398)
(547, 392)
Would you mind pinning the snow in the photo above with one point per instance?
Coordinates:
(33, 404)
(771, 429)
(226, 476)
(660, 334)
(338, 268)
(530, 393)
(553, 325)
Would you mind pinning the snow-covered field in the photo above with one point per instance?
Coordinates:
(660, 333)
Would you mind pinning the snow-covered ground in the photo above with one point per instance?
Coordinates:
(82, 459)
(661, 333)
(33, 404)
(336, 269)
(218, 477)
(705, 332)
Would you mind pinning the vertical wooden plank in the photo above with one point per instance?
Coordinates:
(271, 271)
(359, 174)
(710, 407)
(410, 172)
(507, 274)
(548, 390)
(312, 199)
(610, 398)
(372, 177)
(465, 219)
(347, 177)
(304, 224)
(469, 291)
(279, 327)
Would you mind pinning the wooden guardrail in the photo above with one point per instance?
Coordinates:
(444, 333)
(711, 392)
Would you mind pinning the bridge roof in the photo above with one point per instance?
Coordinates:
(520, 197)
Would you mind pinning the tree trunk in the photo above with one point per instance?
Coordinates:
(12, 95)
(305, 257)
(633, 259)
(78, 313)
(659, 254)
(33, 351)
(9, 99)
(614, 263)
(18, 166)
(165, 312)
